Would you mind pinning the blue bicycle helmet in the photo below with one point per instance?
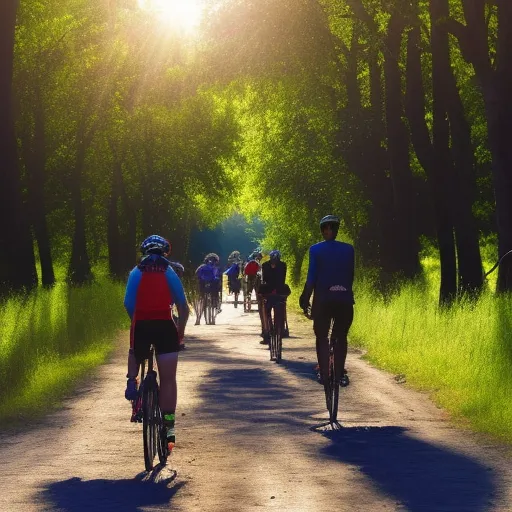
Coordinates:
(275, 255)
(155, 244)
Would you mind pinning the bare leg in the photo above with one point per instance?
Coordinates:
(340, 355)
(133, 366)
(322, 354)
(167, 365)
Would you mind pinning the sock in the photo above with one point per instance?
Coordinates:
(169, 421)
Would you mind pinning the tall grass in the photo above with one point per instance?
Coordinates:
(462, 355)
(51, 337)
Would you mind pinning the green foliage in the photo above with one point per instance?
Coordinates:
(462, 355)
(51, 337)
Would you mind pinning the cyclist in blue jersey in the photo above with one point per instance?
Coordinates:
(330, 278)
(152, 289)
(233, 275)
(209, 279)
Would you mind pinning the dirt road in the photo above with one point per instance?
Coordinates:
(246, 440)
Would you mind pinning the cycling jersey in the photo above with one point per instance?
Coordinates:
(331, 271)
(208, 273)
(274, 278)
(251, 268)
(152, 288)
(233, 271)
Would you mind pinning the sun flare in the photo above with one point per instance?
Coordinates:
(184, 14)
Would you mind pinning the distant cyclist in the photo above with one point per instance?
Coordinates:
(152, 288)
(273, 277)
(233, 275)
(330, 277)
(180, 272)
(178, 268)
(252, 276)
(209, 279)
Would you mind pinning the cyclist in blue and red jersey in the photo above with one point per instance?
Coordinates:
(330, 277)
(152, 288)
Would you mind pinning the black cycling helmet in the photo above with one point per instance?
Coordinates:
(178, 268)
(234, 257)
(330, 219)
(155, 244)
(257, 254)
(212, 258)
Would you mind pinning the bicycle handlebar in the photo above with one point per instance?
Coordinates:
(497, 264)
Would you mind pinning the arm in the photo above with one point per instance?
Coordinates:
(352, 266)
(178, 296)
(130, 296)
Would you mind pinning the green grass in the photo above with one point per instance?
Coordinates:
(463, 356)
(52, 337)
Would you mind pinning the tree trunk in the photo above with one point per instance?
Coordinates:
(17, 261)
(463, 196)
(496, 85)
(34, 152)
(379, 184)
(79, 271)
(445, 176)
(430, 160)
(113, 236)
(406, 236)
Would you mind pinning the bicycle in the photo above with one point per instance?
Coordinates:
(275, 324)
(209, 304)
(146, 410)
(331, 384)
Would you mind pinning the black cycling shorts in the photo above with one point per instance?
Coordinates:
(234, 285)
(339, 315)
(162, 334)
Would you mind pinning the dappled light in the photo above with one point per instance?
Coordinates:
(233, 127)
(182, 15)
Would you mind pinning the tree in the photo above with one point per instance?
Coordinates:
(495, 78)
(17, 264)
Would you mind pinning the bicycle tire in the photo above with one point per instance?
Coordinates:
(273, 344)
(279, 332)
(335, 390)
(148, 421)
(272, 333)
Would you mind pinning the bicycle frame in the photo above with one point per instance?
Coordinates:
(153, 431)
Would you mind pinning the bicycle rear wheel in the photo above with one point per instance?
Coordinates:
(279, 323)
(149, 421)
(272, 334)
(335, 390)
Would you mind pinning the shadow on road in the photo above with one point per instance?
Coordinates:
(77, 495)
(422, 476)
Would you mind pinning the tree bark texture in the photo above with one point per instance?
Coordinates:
(17, 261)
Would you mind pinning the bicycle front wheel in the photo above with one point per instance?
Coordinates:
(149, 421)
